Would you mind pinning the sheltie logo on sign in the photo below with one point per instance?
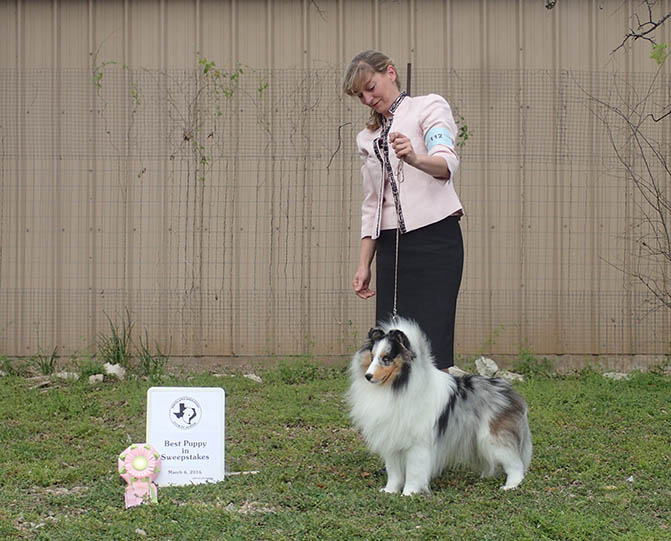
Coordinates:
(185, 413)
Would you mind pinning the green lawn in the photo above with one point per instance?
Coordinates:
(601, 467)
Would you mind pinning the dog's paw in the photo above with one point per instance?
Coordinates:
(390, 490)
(416, 491)
(513, 480)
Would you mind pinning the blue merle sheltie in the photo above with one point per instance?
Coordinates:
(421, 419)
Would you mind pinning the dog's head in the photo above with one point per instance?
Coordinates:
(386, 357)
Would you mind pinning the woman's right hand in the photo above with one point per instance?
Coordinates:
(361, 283)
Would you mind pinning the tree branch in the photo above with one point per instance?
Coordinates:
(645, 28)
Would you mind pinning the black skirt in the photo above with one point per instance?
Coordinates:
(430, 265)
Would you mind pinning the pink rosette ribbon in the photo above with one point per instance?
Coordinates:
(139, 465)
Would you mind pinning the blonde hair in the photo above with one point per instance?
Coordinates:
(362, 66)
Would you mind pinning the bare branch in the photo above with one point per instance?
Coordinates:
(643, 29)
(661, 117)
(630, 128)
(339, 144)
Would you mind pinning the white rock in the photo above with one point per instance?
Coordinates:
(2, 373)
(486, 367)
(96, 378)
(617, 376)
(510, 377)
(115, 370)
(254, 377)
(456, 371)
(67, 375)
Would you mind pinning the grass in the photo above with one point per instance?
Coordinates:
(115, 347)
(600, 466)
(46, 364)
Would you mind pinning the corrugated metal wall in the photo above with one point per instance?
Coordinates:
(221, 209)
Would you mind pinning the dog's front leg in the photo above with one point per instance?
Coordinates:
(395, 473)
(417, 471)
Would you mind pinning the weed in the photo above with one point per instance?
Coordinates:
(116, 348)
(488, 344)
(529, 365)
(11, 368)
(300, 370)
(98, 70)
(46, 364)
(293, 371)
(89, 367)
(464, 131)
(119, 347)
(152, 366)
(662, 368)
(354, 334)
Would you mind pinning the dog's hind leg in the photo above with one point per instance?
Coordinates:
(513, 466)
(514, 478)
(417, 471)
(395, 473)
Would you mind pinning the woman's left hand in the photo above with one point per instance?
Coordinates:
(403, 147)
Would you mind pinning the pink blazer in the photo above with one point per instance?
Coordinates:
(428, 122)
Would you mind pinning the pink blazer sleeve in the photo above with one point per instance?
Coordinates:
(440, 131)
(370, 196)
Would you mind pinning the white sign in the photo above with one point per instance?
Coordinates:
(186, 426)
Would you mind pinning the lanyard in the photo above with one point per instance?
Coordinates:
(381, 147)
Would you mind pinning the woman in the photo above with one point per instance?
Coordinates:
(409, 162)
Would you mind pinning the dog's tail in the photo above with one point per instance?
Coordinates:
(526, 445)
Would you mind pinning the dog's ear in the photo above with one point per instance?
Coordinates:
(373, 336)
(400, 338)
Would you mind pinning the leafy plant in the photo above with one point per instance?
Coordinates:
(98, 70)
(134, 93)
(659, 53)
(263, 85)
(115, 348)
(207, 66)
(202, 124)
(464, 132)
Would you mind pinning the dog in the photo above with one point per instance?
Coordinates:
(422, 420)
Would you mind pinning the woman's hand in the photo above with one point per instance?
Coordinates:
(403, 148)
(361, 283)
(431, 165)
